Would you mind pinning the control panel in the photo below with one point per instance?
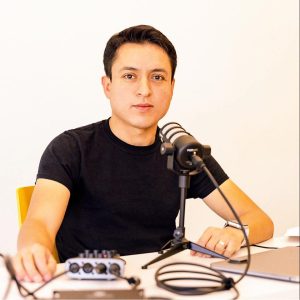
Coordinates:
(105, 264)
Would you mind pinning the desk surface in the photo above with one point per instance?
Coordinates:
(249, 287)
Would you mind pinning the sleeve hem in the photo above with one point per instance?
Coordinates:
(68, 185)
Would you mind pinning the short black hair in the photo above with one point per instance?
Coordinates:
(138, 34)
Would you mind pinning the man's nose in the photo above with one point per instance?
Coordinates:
(143, 88)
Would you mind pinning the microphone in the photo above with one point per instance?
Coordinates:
(187, 150)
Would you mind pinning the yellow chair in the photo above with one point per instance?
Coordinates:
(23, 201)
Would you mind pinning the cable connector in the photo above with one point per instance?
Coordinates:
(228, 283)
(133, 281)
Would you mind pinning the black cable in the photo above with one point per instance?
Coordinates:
(10, 269)
(132, 281)
(223, 283)
(7, 289)
(23, 291)
(265, 247)
(198, 162)
(9, 281)
(45, 283)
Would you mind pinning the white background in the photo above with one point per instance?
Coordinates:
(236, 90)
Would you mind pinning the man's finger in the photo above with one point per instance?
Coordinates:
(18, 267)
(30, 267)
(41, 258)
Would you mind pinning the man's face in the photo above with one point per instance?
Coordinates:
(141, 87)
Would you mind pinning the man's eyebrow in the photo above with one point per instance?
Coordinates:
(160, 70)
(128, 68)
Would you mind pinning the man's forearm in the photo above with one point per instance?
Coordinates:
(34, 232)
(261, 227)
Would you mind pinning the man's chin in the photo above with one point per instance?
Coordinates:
(144, 125)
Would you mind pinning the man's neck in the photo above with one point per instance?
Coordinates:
(133, 135)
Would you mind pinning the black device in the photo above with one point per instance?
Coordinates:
(185, 158)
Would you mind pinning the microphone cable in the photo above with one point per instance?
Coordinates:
(201, 165)
(215, 276)
(221, 282)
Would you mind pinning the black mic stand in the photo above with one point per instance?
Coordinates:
(179, 242)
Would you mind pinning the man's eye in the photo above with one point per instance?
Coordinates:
(128, 76)
(158, 77)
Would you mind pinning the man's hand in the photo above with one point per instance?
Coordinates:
(225, 241)
(34, 263)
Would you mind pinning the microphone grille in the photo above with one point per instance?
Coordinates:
(171, 131)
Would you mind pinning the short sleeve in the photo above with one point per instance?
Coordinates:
(61, 161)
(201, 185)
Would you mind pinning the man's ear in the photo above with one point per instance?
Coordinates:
(173, 84)
(106, 83)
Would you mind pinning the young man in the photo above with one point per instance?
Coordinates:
(106, 185)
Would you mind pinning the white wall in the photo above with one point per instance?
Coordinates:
(236, 89)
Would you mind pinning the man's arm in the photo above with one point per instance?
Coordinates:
(260, 225)
(36, 240)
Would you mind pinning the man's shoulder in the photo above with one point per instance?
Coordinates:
(83, 135)
(86, 129)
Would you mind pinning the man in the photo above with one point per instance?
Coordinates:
(106, 186)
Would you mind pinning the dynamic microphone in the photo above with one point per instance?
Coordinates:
(186, 149)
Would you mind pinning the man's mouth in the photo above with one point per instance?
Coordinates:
(143, 106)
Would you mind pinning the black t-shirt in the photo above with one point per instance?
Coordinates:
(123, 197)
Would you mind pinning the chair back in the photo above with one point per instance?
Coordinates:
(23, 200)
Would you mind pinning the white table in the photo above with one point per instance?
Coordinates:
(249, 288)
